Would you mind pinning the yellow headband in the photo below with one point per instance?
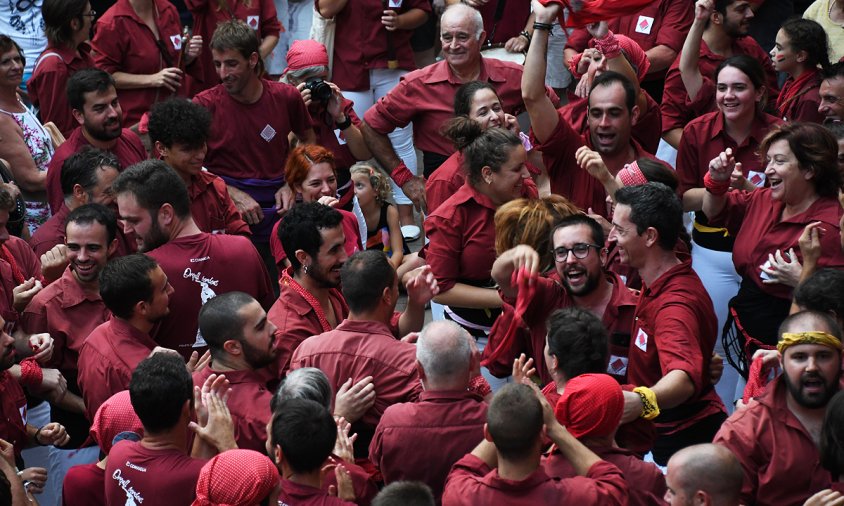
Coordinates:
(823, 338)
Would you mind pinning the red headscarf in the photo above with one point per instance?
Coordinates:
(236, 478)
(114, 417)
(591, 405)
(306, 53)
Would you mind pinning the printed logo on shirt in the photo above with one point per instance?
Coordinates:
(341, 137)
(205, 294)
(177, 42)
(395, 4)
(617, 365)
(253, 22)
(757, 178)
(268, 133)
(642, 340)
(644, 25)
(133, 497)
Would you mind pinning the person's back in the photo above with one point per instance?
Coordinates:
(136, 474)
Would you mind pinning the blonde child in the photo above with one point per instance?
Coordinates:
(383, 231)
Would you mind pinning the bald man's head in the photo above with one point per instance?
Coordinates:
(444, 354)
(704, 474)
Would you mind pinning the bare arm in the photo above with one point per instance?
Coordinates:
(693, 199)
(396, 243)
(661, 57)
(13, 149)
(690, 56)
(381, 148)
(468, 296)
(673, 137)
(354, 137)
(330, 8)
(543, 115)
(169, 78)
(671, 390)
(267, 45)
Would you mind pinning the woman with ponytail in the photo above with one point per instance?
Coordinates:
(801, 52)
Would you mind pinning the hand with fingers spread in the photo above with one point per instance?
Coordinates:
(354, 399)
(779, 269)
(196, 363)
(826, 497)
(344, 446)
(421, 285)
(345, 488)
(523, 370)
(219, 430)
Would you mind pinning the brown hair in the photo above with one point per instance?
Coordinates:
(530, 221)
(815, 149)
(380, 182)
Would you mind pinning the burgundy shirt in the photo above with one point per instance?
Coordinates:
(200, 267)
(139, 475)
(646, 131)
(472, 481)
(84, 485)
(361, 41)
(531, 333)
(29, 267)
(129, 150)
(454, 419)
(50, 233)
(249, 141)
(780, 460)
(296, 494)
(351, 231)
(249, 404)
(47, 88)
(106, 361)
(124, 43)
(69, 314)
(675, 329)
(513, 20)
(356, 349)
(12, 413)
(333, 139)
(212, 208)
(425, 97)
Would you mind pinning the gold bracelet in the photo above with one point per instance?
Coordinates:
(650, 408)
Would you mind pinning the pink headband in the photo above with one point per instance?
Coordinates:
(631, 175)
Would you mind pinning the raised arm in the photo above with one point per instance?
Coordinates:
(543, 115)
(522, 256)
(717, 182)
(690, 56)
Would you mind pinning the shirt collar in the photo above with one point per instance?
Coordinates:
(441, 72)
(72, 292)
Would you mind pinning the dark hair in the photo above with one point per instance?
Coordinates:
(5, 490)
(159, 388)
(179, 121)
(608, 78)
(807, 35)
(654, 205)
(579, 340)
(721, 6)
(219, 320)
(833, 71)
(7, 43)
(657, 172)
(86, 81)
(815, 149)
(823, 291)
(81, 169)
(154, 183)
(749, 66)
(300, 229)
(466, 93)
(90, 213)
(514, 420)
(597, 231)
(125, 281)
(7, 202)
(405, 493)
(364, 277)
(58, 14)
(305, 431)
(832, 436)
(480, 148)
(236, 35)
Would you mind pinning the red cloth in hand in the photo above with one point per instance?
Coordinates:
(757, 378)
(527, 289)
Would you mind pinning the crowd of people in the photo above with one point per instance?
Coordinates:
(482, 252)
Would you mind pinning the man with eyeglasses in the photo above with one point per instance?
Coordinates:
(578, 279)
(832, 94)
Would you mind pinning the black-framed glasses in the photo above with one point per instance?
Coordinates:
(580, 250)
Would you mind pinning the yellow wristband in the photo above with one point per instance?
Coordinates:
(650, 408)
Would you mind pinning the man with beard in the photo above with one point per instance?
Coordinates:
(93, 100)
(776, 438)
(69, 309)
(578, 279)
(832, 93)
(137, 292)
(154, 205)
(240, 339)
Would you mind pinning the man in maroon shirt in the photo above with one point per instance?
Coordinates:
(240, 339)
(832, 93)
(703, 474)
(505, 469)
(775, 438)
(157, 469)
(93, 101)
(674, 329)
(447, 411)
(154, 204)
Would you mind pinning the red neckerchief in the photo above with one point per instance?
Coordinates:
(287, 280)
(6, 255)
(794, 88)
(527, 289)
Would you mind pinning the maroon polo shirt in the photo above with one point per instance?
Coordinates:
(84, 485)
(676, 109)
(646, 131)
(124, 43)
(756, 222)
(47, 88)
(780, 460)
(361, 41)
(69, 314)
(425, 97)
(200, 267)
(50, 233)
(304, 495)
(260, 15)
(357, 349)
(472, 482)
(351, 231)
(645, 481)
(531, 333)
(675, 329)
(29, 266)
(249, 141)
(296, 319)
(804, 107)
(106, 361)
(513, 20)
(139, 475)
(249, 404)
(212, 208)
(12, 413)
(455, 419)
(129, 150)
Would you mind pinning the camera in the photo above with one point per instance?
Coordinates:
(320, 90)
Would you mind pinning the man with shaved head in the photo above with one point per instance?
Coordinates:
(706, 474)
(447, 411)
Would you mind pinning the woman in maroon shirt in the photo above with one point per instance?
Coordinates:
(801, 46)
